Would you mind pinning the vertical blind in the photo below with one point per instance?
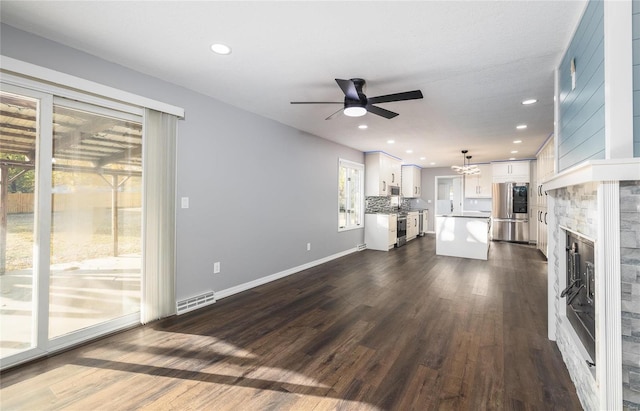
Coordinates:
(159, 186)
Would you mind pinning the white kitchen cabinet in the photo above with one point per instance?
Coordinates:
(380, 231)
(411, 181)
(545, 170)
(413, 225)
(533, 203)
(511, 171)
(542, 228)
(479, 185)
(395, 168)
(381, 172)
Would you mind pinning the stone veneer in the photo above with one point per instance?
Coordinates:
(575, 208)
(630, 273)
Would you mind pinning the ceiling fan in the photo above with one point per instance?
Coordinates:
(357, 104)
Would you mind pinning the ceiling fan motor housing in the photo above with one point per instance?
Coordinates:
(360, 85)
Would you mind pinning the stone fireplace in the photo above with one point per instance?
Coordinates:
(607, 212)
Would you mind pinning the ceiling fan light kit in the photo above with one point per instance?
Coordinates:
(355, 111)
(356, 103)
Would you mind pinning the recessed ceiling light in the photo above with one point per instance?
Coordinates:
(529, 101)
(517, 141)
(521, 126)
(514, 151)
(423, 158)
(221, 49)
(409, 151)
(390, 141)
(363, 126)
(512, 158)
(432, 164)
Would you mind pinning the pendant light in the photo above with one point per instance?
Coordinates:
(466, 168)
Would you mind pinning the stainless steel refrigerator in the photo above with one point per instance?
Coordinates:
(510, 212)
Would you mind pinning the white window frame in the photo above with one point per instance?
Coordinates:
(347, 164)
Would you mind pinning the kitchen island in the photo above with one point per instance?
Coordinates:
(463, 235)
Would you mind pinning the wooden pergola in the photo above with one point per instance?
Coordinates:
(83, 142)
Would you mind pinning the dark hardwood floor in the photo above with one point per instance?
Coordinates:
(404, 330)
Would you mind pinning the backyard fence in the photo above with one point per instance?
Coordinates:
(23, 202)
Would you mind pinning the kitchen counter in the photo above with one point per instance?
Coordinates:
(463, 235)
(468, 214)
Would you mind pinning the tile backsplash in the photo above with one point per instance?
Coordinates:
(386, 204)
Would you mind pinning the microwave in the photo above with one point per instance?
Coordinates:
(395, 190)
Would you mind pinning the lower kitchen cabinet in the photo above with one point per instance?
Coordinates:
(542, 225)
(413, 225)
(380, 231)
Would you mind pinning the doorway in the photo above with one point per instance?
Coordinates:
(448, 195)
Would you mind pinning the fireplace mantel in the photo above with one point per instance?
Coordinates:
(627, 169)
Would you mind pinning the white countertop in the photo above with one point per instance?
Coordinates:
(467, 214)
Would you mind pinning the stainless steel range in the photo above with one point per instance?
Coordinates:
(580, 291)
(402, 230)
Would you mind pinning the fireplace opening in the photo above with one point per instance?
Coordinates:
(580, 291)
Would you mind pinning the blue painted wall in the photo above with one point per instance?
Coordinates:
(582, 109)
(636, 78)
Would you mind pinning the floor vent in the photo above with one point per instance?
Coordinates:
(191, 304)
(361, 247)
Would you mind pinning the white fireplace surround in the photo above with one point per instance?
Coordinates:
(599, 387)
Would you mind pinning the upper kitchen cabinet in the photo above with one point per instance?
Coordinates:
(511, 171)
(478, 185)
(411, 181)
(381, 172)
(395, 166)
(546, 161)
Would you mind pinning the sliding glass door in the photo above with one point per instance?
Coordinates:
(96, 217)
(18, 180)
(71, 236)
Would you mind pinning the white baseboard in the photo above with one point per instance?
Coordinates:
(264, 280)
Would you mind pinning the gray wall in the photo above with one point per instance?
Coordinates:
(259, 190)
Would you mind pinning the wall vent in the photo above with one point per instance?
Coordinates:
(361, 247)
(192, 303)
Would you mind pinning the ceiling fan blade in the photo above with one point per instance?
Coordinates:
(407, 95)
(317, 102)
(348, 88)
(381, 111)
(334, 114)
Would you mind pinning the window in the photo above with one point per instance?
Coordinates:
(350, 195)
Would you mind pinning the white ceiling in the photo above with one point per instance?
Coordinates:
(474, 61)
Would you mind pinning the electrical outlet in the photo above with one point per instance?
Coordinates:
(184, 202)
(216, 267)
(308, 246)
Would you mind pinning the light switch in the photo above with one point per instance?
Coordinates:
(185, 202)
